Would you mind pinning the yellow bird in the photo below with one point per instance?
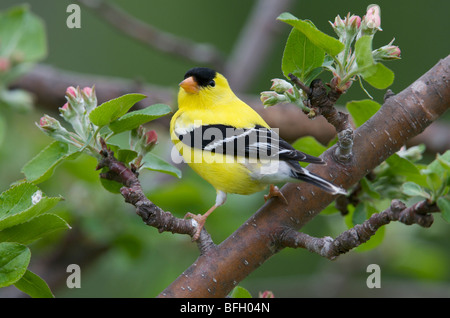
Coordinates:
(229, 145)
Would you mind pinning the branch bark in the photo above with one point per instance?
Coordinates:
(403, 116)
(361, 233)
(201, 53)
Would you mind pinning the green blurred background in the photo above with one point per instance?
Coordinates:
(120, 256)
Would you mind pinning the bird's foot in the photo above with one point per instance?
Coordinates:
(200, 219)
(275, 192)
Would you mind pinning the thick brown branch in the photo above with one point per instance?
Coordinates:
(402, 117)
(361, 233)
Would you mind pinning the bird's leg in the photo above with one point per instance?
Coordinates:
(275, 192)
(200, 219)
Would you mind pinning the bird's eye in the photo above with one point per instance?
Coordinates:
(212, 83)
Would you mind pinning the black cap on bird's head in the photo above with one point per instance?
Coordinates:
(198, 77)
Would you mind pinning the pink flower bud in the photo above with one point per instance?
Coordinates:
(48, 123)
(5, 64)
(354, 21)
(387, 52)
(65, 107)
(266, 294)
(151, 137)
(87, 91)
(280, 85)
(338, 22)
(372, 17)
(270, 98)
(71, 91)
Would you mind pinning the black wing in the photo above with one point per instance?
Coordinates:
(257, 142)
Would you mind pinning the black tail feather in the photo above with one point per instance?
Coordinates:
(305, 175)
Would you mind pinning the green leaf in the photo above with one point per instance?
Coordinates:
(414, 190)
(2, 129)
(22, 34)
(17, 206)
(135, 119)
(438, 165)
(444, 205)
(379, 76)
(363, 52)
(374, 241)
(327, 43)
(362, 110)
(14, 260)
(301, 57)
(41, 167)
(444, 160)
(110, 185)
(34, 286)
(240, 292)
(368, 188)
(359, 214)
(126, 155)
(114, 109)
(34, 229)
(404, 167)
(376, 74)
(155, 163)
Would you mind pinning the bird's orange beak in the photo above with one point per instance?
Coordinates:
(190, 85)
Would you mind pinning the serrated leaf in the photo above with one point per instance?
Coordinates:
(34, 286)
(413, 189)
(14, 260)
(113, 109)
(17, 206)
(301, 57)
(34, 229)
(240, 292)
(327, 43)
(362, 110)
(155, 163)
(134, 119)
(444, 205)
(42, 166)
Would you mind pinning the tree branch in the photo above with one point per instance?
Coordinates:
(150, 213)
(165, 42)
(402, 117)
(254, 43)
(361, 233)
(48, 85)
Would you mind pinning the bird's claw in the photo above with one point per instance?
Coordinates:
(275, 192)
(200, 220)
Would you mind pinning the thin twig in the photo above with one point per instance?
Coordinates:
(323, 103)
(255, 42)
(150, 213)
(418, 213)
(165, 42)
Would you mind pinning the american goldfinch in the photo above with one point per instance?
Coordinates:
(229, 145)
